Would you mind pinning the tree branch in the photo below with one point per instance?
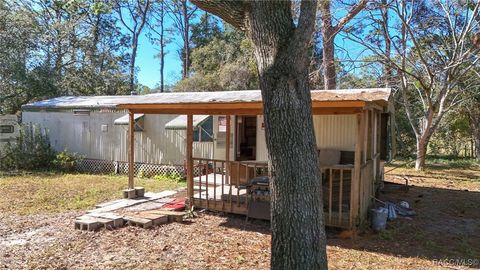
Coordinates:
(232, 12)
(306, 21)
(350, 15)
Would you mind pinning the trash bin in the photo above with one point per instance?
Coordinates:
(379, 219)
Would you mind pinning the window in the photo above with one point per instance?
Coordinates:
(81, 112)
(6, 129)
(204, 132)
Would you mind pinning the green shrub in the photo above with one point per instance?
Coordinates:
(66, 161)
(174, 177)
(31, 151)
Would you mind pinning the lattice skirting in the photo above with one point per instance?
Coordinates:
(144, 169)
(121, 167)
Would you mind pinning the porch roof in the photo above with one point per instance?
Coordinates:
(249, 102)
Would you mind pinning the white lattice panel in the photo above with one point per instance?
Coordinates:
(144, 169)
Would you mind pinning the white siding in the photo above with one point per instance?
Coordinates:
(83, 134)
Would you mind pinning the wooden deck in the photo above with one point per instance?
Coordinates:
(211, 192)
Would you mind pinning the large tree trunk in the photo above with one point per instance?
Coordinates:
(328, 34)
(475, 127)
(477, 146)
(422, 144)
(281, 50)
(298, 236)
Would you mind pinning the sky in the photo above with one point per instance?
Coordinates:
(149, 66)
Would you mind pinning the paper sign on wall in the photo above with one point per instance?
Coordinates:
(222, 124)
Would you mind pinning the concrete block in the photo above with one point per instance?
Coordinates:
(138, 221)
(129, 193)
(140, 191)
(155, 218)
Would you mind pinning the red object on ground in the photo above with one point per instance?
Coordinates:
(176, 205)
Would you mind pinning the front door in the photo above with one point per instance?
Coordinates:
(246, 138)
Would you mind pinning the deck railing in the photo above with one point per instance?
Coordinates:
(220, 186)
(337, 186)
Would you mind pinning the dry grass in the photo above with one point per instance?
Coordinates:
(447, 227)
(56, 193)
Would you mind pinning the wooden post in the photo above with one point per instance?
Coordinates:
(374, 144)
(190, 159)
(227, 147)
(355, 188)
(366, 125)
(131, 149)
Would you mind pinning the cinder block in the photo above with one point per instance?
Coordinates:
(87, 224)
(140, 191)
(156, 219)
(138, 221)
(129, 193)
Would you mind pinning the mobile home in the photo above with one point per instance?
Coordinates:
(9, 129)
(217, 139)
(94, 128)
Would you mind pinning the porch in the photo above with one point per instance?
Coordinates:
(217, 190)
(224, 184)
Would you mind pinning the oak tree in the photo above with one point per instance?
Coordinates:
(282, 47)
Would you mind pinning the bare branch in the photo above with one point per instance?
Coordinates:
(350, 15)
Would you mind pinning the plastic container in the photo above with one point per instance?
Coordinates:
(379, 219)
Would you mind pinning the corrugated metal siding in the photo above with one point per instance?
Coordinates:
(335, 131)
(331, 131)
(84, 135)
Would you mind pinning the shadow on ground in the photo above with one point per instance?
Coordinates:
(447, 226)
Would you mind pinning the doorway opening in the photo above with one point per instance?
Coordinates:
(246, 138)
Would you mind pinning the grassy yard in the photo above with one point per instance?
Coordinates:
(37, 213)
(56, 193)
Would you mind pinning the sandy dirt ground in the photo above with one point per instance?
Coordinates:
(444, 235)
